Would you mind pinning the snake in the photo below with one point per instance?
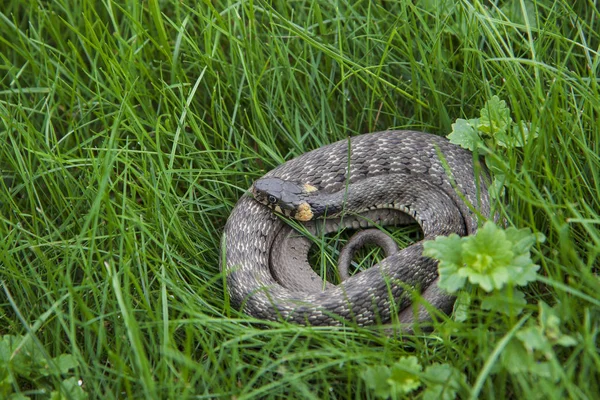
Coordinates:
(364, 182)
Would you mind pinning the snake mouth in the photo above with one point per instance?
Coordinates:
(302, 213)
(284, 211)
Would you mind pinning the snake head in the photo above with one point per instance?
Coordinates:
(285, 197)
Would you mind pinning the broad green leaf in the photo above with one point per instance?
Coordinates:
(376, 379)
(521, 134)
(533, 339)
(447, 249)
(495, 117)
(449, 253)
(443, 382)
(523, 270)
(523, 239)
(505, 302)
(65, 362)
(404, 378)
(495, 165)
(464, 134)
(496, 189)
(461, 306)
(515, 357)
(503, 139)
(566, 341)
(550, 324)
(544, 369)
(450, 280)
(486, 255)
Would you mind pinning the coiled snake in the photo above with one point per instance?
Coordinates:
(389, 177)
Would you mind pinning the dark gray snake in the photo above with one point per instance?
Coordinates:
(390, 177)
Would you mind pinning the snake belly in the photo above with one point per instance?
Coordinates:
(417, 174)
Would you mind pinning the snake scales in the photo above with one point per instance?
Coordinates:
(392, 177)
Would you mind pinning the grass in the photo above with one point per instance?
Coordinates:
(129, 130)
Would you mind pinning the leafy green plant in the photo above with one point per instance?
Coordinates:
(493, 259)
(492, 132)
(24, 368)
(494, 262)
(494, 128)
(532, 348)
(406, 375)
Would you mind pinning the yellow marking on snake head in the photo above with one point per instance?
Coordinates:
(278, 209)
(304, 212)
(308, 188)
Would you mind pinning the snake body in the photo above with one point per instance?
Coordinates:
(371, 179)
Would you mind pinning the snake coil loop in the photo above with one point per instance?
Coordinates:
(392, 177)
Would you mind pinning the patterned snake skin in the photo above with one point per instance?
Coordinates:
(393, 176)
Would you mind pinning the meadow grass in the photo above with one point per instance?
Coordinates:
(129, 130)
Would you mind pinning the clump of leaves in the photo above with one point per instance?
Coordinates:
(406, 375)
(496, 261)
(24, 370)
(493, 259)
(532, 349)
(494, 130)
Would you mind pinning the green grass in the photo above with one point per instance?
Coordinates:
(129, 130)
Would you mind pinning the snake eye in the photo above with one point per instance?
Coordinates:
(272, 199)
